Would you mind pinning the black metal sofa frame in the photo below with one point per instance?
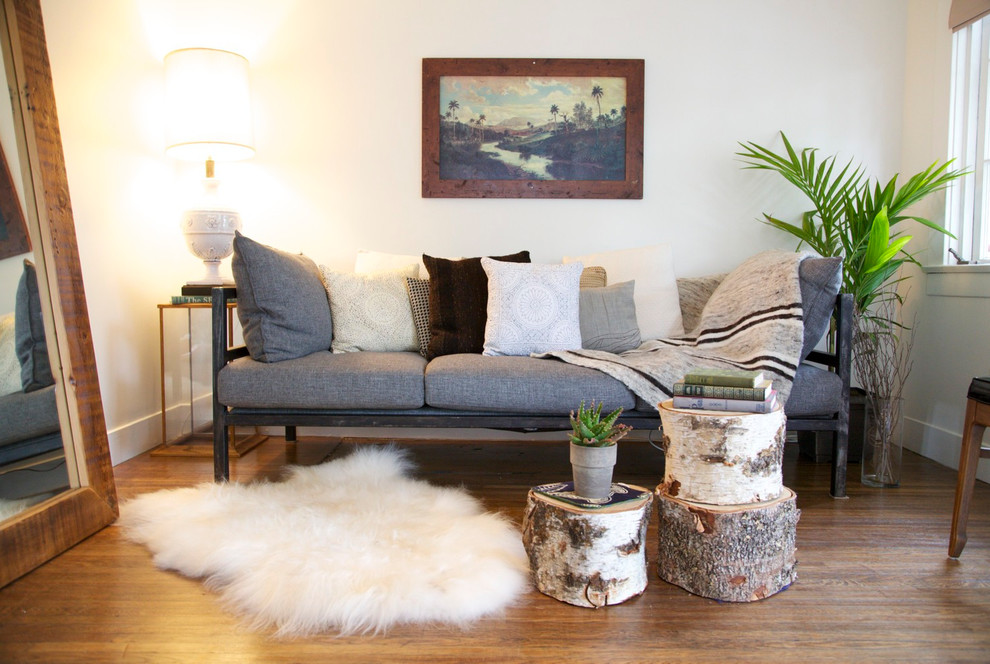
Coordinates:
(224, 418)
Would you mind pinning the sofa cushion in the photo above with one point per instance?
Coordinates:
(459, 303)
(370, 311)
(419, 303)
(29, 333)
(594, 276)
(820, 281)
(658, 308)
(366, 380)
(27, 415)
(518, 384)
(608, 318)
(532, 308)
(281, 302)
(816, 392)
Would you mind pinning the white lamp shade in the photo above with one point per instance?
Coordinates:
(208, 105)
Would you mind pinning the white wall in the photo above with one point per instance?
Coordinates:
(337, 98)
(952, 344)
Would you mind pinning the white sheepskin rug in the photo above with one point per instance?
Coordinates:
(353, 545)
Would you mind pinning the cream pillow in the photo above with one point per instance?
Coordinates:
(532, 308)
(10, 368)
(367, 262)
(658, 308)
(370, 311)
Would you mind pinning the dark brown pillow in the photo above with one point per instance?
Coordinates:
(459, 303)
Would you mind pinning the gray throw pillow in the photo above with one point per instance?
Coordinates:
(820, 281)
(608, 318)
(281, 302)
(29, 333)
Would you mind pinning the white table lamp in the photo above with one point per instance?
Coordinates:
(208, 118)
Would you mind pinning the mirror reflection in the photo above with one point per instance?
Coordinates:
(32, 458)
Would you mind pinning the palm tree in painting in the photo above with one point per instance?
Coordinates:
(598, 93)
(554, 110)
(452, 107)
(615, 114)
(481, 123)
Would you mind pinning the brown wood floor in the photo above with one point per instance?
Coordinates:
(874, 581)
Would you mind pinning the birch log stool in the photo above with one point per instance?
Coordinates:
(727, 525)
(588, 556)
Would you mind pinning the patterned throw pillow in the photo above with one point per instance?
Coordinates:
(370, 311)
(10, 368)
(419, 301)
(531, 308)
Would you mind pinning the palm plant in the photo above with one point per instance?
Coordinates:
(851, 217)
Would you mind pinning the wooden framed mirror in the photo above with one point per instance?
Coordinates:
(33, 536)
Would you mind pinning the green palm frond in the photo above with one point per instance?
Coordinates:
(851, 217)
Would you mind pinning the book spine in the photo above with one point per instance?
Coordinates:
(730, 380)
(194, 299)
(721, 391)
(740, 405)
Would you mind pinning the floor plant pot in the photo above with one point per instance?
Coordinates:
(882, 442)
(592, 468)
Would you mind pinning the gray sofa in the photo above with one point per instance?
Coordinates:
(370, 389)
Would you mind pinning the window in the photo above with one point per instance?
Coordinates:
(968, 201)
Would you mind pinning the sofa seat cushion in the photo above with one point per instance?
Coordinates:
(365, 380)
(519, 384)
(816, 392)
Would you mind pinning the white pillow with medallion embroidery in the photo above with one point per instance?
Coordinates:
(532, 308)
(370, 311)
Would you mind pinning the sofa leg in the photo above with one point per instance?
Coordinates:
(290, 434)
(840, 456)
(221, 453)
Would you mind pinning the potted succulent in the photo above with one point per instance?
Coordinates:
(593, 449)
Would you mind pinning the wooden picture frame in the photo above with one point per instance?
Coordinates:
(14, 239)
(525, 128)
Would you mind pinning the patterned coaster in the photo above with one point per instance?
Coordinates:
(564, 492)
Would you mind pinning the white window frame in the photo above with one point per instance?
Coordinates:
(967, 211)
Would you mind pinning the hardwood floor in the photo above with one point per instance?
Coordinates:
(874, 581)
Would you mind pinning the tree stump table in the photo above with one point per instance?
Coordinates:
(587, 553)
(727, 525)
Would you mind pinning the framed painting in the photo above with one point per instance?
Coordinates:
(524, 128)
(14, 238)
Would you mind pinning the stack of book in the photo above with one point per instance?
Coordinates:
(725, 389)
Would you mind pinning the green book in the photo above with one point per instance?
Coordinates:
(729, 377)
(758, 393)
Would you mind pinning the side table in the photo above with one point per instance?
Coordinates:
(727, 525)
(587, 554)
(198, 440)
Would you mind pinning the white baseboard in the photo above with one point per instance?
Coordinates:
(134, 438)
(938, 445)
